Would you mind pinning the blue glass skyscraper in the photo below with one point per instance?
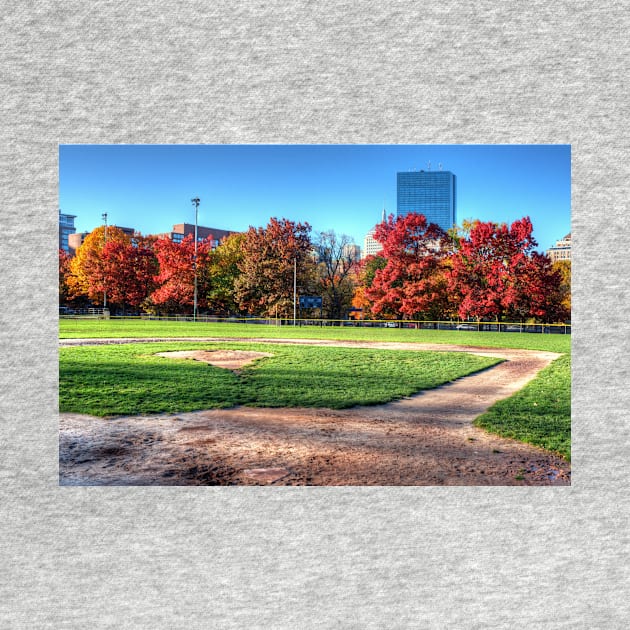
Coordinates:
(431, 193)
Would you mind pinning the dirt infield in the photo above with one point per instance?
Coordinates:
(228, 359)
(426, 439)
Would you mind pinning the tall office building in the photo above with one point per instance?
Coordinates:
(371, 246)
(431, 193)
(66, 227)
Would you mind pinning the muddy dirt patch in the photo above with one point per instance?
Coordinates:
(426, 439)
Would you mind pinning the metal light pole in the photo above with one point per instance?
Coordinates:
(104, 217)
(195, 203)
(294, 288)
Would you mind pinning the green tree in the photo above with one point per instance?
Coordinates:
(223, 273)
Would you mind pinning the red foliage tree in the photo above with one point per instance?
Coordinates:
(547, 291)
(87, 277)
(176, 275)
(129, 269)
(413, 283)
(497, 274)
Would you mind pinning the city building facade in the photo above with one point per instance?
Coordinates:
(76, 240)
(351, 251)
(66, 228)
(181, 230)
(431, 193)
(561, 250)
(371, 247)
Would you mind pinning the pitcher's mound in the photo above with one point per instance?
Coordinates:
(228, 359)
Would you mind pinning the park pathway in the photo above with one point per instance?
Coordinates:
(426, 439)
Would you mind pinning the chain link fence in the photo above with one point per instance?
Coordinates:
(513, 327)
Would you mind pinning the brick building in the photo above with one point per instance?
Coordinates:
(181, 230)
(76, 240)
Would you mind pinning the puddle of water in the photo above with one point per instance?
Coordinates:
(551, 474)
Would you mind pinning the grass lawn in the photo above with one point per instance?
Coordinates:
(84, 328)
(113, 380)
(130, 379)
(540, 413)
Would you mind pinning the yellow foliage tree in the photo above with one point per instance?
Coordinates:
(564, 267)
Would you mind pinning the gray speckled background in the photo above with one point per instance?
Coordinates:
(326, 72)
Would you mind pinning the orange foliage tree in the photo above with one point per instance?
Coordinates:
(265, 283)
(365, 272)
(64, 274)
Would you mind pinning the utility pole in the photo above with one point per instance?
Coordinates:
(195, 203)
(104, 217)
(294, 287)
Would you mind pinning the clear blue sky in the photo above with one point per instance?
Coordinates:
(339, 187)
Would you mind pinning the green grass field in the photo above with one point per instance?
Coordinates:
(540, 414)
(112, 380)
(130, 379)
(84, 328)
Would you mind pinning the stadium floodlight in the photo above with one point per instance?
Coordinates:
(195, 203)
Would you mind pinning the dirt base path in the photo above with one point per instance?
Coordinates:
(427, 439)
